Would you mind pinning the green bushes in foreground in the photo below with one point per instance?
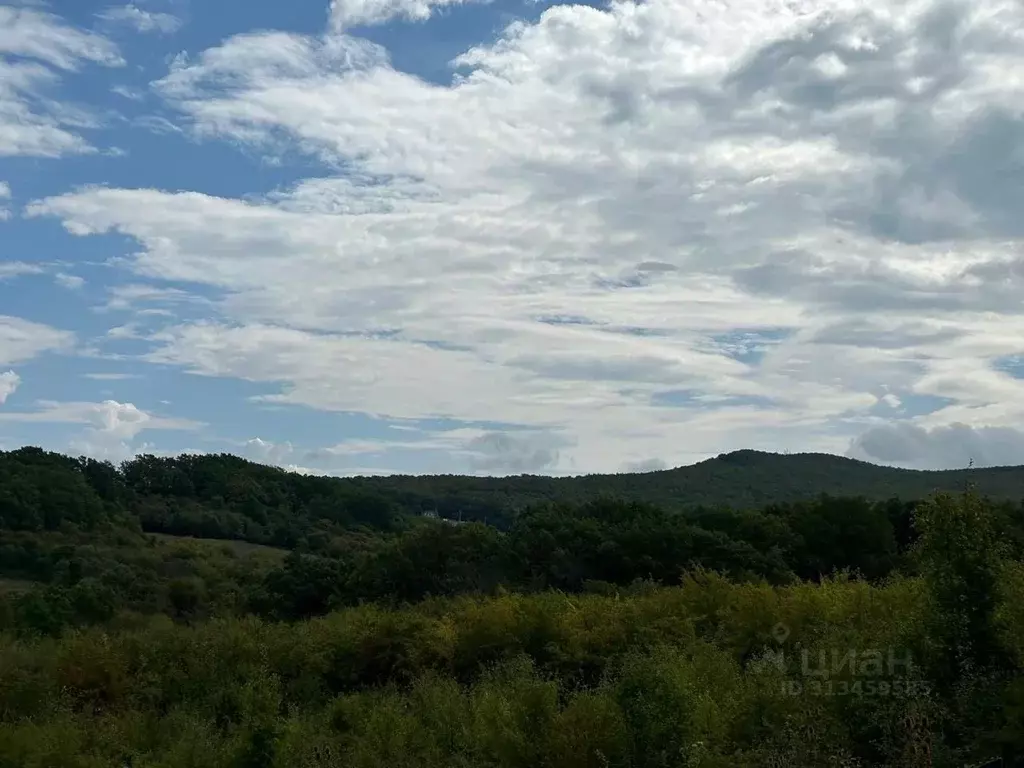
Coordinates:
(912, 671)
(691, 675)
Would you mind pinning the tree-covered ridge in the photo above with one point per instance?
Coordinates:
(739, 479)
(82, 532)
(77, 541)
(224, 496)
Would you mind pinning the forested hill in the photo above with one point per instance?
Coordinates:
(740, 479)
(223, 496)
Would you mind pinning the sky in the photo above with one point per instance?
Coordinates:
(448, 236)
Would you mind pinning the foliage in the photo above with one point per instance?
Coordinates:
(223, 496)
(604, 629)
(678, 676)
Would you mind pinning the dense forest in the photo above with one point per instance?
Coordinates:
(753, 610)
(223, 496)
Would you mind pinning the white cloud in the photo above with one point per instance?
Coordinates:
(129, 331)
(12, 269)
(9, 383)
(21, 340)
(110, 426)
(141, 20)
(110, 376)
(133, 295)
(156, 124)
(5, 194)
(643, 230)
(122, 421)
(891, 400)
(103, 448)
(266, 452)
(36, 49)
(345, 14)
(127, 92)
(42, 36)
(473, 450)
(71, 282)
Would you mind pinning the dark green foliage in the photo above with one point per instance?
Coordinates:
(841, 534)
(493, 682)
(304, 586)
(435, 559)
(356, 540)
(41, 491)
(743, 479)
(627, 621)
(222, 496)
(85, 578)
(961, 551)
(561, 546)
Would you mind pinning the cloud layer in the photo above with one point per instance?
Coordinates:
(140, 19)
(36, 49)
(345, 14)
(622, 237)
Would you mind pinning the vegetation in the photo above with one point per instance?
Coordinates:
(206, 611)
(227, 497)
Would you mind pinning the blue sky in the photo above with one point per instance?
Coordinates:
(375, 236)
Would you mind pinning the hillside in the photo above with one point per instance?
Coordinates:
(739, 479)
(223, 496)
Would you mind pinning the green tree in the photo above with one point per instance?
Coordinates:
(960, 551)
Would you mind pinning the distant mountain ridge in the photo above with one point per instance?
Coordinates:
(741, 478)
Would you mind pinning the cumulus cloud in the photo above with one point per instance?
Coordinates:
(266, 452)
(649, 229)
(36, 49)
(5, 195)
(141, 20)
(313, 461)
(110, 427)
(122, 421)
(9, 383)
